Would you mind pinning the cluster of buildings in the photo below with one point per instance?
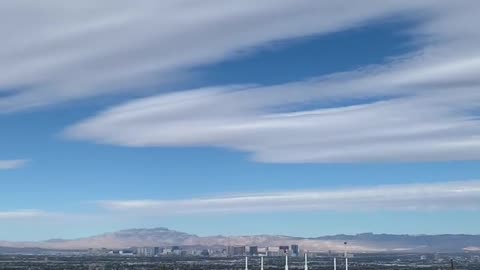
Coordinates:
(292, 250)
(229, 251)
(149, 251)
(157, 251)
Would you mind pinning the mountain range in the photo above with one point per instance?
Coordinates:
(365, 242)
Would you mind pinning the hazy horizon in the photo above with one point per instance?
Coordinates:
(240, 235)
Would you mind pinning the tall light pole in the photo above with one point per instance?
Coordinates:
(346, 256)
(246, 262)
(334, 263)
(286, 261)
(261, 262)
(306, 260)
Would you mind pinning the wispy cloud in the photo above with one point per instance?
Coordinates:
(86, 49)
(413, 197)
(425, 109)
(23, 214)
(417, 119)
(12, 164)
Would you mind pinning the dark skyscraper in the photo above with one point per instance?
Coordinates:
(295, 250)
(284, 249)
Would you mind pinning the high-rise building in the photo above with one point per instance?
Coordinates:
(295, 250)
(284, 249)
(253, 250)
(145, 251)
(236, 250)
(262, 251)
(274, 251)
(176, 250)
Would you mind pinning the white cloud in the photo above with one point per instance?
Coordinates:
(91, 48)
(12, 164)
(418, 121)
(52, 52)
(426, 106)
(23, 214)
(413, 197)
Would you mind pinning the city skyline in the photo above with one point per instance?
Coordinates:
(280, 117)
(177, 243)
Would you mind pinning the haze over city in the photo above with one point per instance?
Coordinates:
(220, 118)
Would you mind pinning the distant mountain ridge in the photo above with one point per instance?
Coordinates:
(365, 242)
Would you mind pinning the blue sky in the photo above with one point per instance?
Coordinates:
(296, 118)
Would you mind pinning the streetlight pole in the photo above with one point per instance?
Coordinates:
(306, 261)
(346, 256)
